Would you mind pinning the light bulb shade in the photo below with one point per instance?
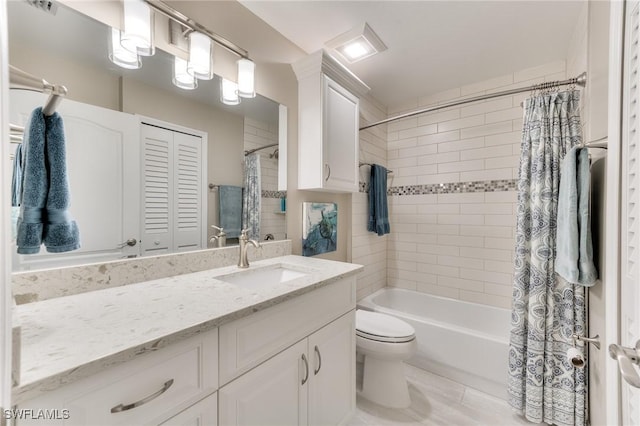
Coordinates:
(246, 78)
(119, 55)
(200, 63)
(229, 92)
(137, 36)
(181, 78)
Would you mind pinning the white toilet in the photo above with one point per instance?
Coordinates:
(385, 342)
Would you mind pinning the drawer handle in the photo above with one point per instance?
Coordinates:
(328, 174)
(123, 407)
(306, 369)
(319, 360)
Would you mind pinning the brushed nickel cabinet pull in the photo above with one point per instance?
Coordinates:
(319, 360)
(306, 369)
(125, 407)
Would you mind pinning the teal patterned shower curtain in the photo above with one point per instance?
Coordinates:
(251, 196)
(543, 385)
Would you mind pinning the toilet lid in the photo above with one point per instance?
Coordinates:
(383, 326)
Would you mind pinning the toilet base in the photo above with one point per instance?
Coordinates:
(384, 383)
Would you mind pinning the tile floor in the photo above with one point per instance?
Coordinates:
(438, 401)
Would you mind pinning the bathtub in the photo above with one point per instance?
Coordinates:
(465, 342)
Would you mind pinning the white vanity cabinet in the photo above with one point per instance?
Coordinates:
(328, 114)
(145, 391)
(309, 373)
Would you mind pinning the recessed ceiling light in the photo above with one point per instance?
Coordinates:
(357, 44)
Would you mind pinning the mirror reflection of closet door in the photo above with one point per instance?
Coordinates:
(102, 162)
(172, 207)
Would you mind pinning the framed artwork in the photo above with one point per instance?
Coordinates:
(319, 228)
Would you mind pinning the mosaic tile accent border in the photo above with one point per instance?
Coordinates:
(451, 187)
(274, 194)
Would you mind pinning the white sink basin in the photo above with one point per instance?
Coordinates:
(262, 277)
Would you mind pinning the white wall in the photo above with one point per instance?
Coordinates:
(368, 248)
(458, 240)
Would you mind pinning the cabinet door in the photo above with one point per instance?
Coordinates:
(270, 394)
(204, 413)
(332, 383)
(340, 137)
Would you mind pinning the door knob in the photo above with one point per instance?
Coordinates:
(627, 358)
(130, 242)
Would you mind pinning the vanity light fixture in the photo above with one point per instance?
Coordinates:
(229, 92)
(200, 63)
(357, 44)
(246, 78)
(137, 36)
(119, 55)
(181, 78)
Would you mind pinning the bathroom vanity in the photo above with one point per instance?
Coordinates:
(272, 344)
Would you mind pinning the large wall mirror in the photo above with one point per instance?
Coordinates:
(70, 48)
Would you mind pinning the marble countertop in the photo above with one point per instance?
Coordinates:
(68, 338)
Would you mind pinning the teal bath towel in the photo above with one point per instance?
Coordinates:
(230, 208)
(574, 248)
(378, 209)
(34, 186)
(60, 231)
(45, 190)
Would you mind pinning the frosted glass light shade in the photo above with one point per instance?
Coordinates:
(119, 55)
(246, 78)
(137, 36)
(181, 78)
(229, 92)
(200, 63)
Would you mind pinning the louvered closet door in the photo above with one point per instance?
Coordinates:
(630, 211)
(157, 175)
(187, 211)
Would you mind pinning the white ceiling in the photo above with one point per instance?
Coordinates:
(432, 45)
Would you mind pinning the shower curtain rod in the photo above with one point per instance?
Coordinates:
(580, 80)
(258, 149)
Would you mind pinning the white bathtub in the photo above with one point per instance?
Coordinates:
(465, 342)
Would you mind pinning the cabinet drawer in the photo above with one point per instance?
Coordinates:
(249, 341)
(203, 413)
(144, 391)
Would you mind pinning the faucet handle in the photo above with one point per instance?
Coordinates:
(244, 233)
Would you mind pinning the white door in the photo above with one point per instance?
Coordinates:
(102, 164)
(340, 136)
(187, 192)
(332, 383)
(629, 236)
(270, 394)
(172, 207)
(157, 184)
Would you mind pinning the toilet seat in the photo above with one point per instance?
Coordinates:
(382, 328)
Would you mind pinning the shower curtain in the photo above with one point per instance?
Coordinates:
(543, 385)
(251, 196)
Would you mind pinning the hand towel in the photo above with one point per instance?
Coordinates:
(35, 186)
(60, 232)
(378, 210)
(230, 208)
(16, 178)
(574, 248)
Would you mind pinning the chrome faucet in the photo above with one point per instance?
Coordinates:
(244, 240)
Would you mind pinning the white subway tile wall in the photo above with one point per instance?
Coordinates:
(257, 134)
(366, 247)
(457, 245)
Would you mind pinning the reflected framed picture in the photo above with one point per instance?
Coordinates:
(319, 228)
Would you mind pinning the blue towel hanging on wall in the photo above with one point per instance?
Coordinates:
(230, 208)
(45, 189)
(378, 209)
